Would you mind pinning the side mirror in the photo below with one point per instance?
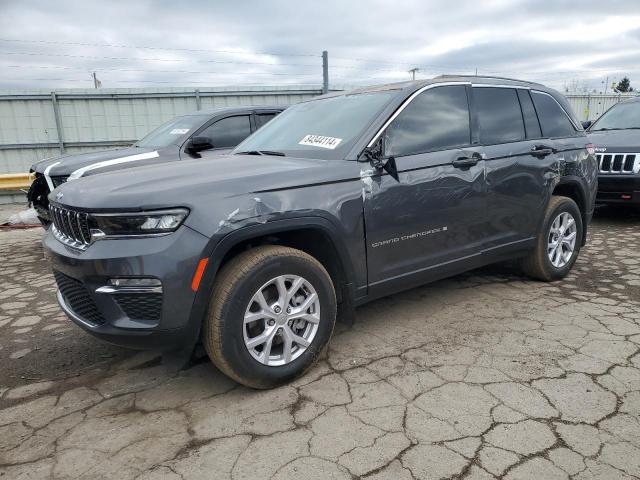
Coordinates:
(198, 144)
(586, 124)
(374, 155)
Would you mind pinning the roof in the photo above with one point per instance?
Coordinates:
(237, 109)
(416, 84)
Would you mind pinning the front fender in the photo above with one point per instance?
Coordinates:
(218, 248)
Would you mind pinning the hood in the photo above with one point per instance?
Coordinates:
(622, 141)
(64, 165)
(215, 190)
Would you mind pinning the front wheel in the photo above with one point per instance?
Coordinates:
(558, 242)
(272, 311)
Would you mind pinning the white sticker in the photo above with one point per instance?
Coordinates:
(320, 141)
(179, 131)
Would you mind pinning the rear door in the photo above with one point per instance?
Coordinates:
(516, 173)
(434, 214)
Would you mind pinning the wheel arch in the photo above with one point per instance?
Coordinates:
(573, 188)
(316, 236)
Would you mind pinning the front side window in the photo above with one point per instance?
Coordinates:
(499, 116)
(228, 132)
(437, 119)
(326, 128)
(553, 120)
(620, 117)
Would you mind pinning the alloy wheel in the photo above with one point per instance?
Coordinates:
(281, 320)
(561, 242)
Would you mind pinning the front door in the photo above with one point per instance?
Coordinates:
(420, 225)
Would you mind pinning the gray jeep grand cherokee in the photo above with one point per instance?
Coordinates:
(339, 200)
(616, 136)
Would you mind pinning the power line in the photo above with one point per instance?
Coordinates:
(135, 70)
(143, 47)
(94, 57)
(90, 80)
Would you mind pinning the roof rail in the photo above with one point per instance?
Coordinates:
(447, 75)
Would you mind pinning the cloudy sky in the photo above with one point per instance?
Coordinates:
(202, 43)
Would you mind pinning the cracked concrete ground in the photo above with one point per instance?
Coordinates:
(486, 375)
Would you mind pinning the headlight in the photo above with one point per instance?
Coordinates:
(139, 223)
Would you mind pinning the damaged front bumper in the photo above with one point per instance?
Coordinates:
(133, 292)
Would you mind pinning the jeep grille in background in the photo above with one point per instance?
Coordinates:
(70, 226)
(618, 162)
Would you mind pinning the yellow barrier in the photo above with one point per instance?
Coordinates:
(15, 181)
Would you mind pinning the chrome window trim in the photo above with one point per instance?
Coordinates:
(561, 107)
(406, 103)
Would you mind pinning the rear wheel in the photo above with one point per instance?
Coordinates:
(558, 242)
(273, 310)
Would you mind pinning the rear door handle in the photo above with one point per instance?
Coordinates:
(465, 162)
(542, 150)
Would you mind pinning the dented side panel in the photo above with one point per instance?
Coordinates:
(433, 214)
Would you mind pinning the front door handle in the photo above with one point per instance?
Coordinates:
(542, 150)
(465, 162)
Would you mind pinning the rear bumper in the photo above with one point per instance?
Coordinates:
(151, 318)
(618, 189)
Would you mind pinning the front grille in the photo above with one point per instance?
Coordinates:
(140, 306)
(70, 226)
(77, 297)
(619, 162)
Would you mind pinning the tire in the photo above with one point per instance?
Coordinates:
(538, 264)
(225, 334)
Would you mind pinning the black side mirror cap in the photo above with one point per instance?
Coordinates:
(198, 144)
(586, 124)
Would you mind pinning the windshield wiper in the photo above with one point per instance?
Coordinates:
(261, 152)
(609, 128)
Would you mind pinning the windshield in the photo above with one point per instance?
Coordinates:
(171, 133)
(621, 116)
(325, 128)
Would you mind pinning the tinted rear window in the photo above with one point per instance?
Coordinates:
(437, 119)
(499, 115)
(553, 120)
(530, 118)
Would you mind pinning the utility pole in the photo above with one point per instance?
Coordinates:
(96, 83)
(325, 71)
(413, 73)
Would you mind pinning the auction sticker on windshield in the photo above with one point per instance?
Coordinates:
(320, 141)
(179, 131)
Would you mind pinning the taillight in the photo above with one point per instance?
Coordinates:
(591, 149)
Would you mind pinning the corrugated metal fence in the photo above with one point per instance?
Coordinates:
(591, 106)
(36, 124)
